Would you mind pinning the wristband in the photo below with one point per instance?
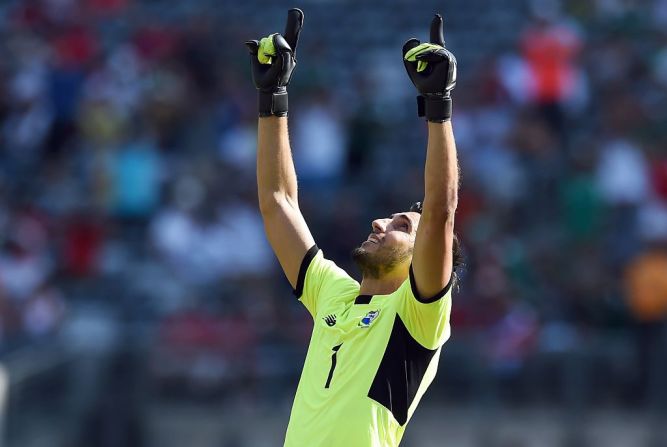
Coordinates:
(436, 109)
(273, 103)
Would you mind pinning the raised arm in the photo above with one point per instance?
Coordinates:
(284, 224)
(273, 62)
(432, 258)
(432, 69)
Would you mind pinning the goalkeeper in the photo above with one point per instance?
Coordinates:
(375, 346)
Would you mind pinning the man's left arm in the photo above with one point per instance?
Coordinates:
(432, 260)
(432, 69)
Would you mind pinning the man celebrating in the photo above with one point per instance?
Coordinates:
(375, 346)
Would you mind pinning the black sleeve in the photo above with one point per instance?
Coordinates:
(307, 258)
(434, 298)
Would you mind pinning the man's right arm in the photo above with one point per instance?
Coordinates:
(272, 62)
(284, 224)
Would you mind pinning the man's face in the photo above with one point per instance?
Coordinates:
(389, 245)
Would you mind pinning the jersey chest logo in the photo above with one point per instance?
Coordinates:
(368, 319)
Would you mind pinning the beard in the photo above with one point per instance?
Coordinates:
(379, 263)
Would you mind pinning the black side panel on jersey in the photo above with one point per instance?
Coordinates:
(400, 372)
(305, 263)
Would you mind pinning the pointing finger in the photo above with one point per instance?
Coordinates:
(293, 27)
(437, 36)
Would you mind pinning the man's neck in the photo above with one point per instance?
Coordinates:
(380, 286)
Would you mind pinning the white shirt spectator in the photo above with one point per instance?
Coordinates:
(320, 150)
(622, 174)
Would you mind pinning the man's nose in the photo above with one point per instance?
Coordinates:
(379, 225)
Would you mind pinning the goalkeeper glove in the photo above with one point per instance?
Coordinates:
(432, 69)
(273, 60)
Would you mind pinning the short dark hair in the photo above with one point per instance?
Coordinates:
(416, 207)
(457, 254)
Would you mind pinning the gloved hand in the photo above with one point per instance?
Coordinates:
(273, 61)
(432, 69)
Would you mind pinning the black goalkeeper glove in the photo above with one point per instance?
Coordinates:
(432, 69)
(273, 61)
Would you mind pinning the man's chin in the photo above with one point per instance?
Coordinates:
(359, 251)
(365, 261)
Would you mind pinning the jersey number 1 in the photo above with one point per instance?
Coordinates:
(333, 364)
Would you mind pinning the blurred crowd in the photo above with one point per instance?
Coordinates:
(564, 207)
(127, 154)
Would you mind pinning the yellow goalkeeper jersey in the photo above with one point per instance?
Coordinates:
(370, 358)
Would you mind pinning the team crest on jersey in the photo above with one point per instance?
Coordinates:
(369, 318)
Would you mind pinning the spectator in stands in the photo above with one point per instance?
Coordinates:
(646, 292)
(550, 47)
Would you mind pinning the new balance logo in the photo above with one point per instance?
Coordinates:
(330, 320)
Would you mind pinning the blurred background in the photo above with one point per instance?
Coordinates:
(140, 304)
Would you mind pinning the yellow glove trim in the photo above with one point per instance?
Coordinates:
(266, 50)
(411, 56)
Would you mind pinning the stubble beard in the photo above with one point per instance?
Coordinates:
(376, 265)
